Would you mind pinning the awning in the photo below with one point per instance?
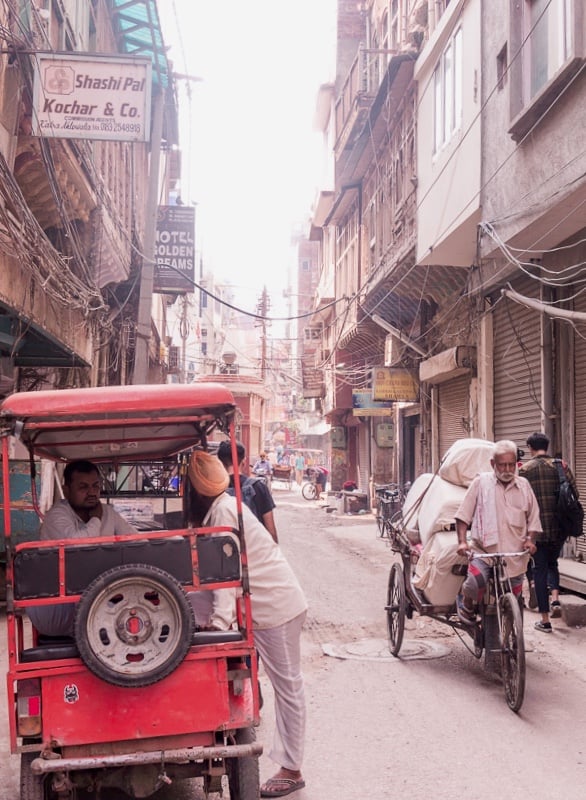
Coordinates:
(140, 34)
(27, 344)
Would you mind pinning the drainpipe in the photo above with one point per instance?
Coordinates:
(145, 302)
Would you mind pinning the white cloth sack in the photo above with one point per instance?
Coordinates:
(464, 459)
(411, 506)
(433, 572)
(438, 507)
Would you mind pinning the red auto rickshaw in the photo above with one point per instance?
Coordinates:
(140, 697)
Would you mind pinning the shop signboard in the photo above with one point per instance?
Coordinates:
(394, 384)
(363, 405)
(175, 250)
(82, 96)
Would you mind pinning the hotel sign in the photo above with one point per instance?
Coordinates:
(175, 250)
(92, 97)
(394, 384)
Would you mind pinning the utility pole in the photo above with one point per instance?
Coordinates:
(145, 301)
(263, 307)
(184, 333)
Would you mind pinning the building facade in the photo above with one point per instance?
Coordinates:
(73, 212)
(453, 231)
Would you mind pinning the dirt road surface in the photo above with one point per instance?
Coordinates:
(431, 724)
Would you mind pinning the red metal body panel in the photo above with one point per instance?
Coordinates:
(193, 698)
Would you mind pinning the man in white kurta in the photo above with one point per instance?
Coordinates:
(278, 612)
(503, 513)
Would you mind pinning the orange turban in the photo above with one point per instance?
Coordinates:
(207, 474)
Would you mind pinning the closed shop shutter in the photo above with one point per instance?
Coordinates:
(364, 456)
(453, 400)
(517, 368)
(580, 413)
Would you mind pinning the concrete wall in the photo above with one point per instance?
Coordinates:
(448, 182)
(533, 189)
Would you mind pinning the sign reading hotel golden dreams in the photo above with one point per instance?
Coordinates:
(395, 384)
(92, 97)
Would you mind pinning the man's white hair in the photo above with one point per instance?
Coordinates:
(503, 447)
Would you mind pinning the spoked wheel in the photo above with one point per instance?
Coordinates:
(309, 491)
(243, 773)
(380, 521)
(513, 652)
(134, 625)
(396, 609)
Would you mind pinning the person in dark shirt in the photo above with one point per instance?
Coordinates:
(255, 492)
(542, 474)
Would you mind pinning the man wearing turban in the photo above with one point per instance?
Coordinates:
(278, 607)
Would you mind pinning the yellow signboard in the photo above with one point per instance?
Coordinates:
(395, 384)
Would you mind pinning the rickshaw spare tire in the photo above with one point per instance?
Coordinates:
(133, 625)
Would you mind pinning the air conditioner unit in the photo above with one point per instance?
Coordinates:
(393, 350)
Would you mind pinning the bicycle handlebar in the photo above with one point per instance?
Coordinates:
(474, 554)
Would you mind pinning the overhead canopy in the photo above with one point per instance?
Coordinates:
(29, 345)
(116, 423)
(140, 34)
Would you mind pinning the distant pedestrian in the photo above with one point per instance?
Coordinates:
(542, 474)
(299, 468)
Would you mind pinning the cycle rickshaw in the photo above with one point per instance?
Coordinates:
(140, 697)
(498, 630)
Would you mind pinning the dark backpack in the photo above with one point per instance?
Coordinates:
(569, 511)
(248, 494)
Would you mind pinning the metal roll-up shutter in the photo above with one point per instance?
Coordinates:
(580, 412)
(364, 456)
(453, 402)
(517, 368)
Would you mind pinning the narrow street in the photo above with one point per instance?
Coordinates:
(432, 724)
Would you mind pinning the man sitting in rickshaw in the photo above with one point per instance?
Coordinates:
(80, 515)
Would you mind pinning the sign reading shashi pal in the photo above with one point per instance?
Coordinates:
(92, 97)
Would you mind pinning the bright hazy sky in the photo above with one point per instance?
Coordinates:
(251, 159)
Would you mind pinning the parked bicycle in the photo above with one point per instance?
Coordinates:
(389, 499)
(310, 489)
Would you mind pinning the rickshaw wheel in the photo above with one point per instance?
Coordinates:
(133, 625)
(513, 652)
(32, 787)
(396, 608)
(243, 773)
(309, 491)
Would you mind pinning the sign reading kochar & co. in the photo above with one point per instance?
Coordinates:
(92, 97)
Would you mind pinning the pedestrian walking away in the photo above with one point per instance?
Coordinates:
(541, 472)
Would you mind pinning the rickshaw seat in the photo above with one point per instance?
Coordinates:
(36, 571)
(50, 648)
